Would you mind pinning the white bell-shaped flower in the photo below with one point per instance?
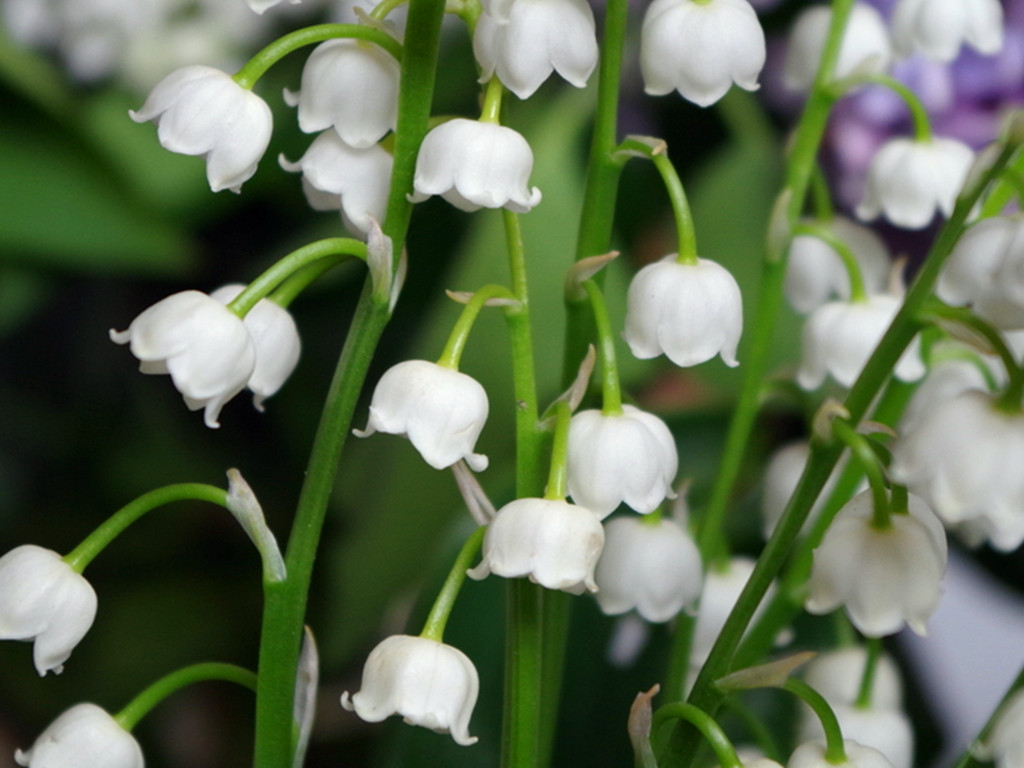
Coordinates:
(811, 754)
(653, 567)
(986, 271)
(202, 111)
(84, 736)
(946, 379)
(440, 410)
(354, 181)
(276, 339)
(937, 28)
(837, 674)
(839, 337)
(42, 599)
(204, 346)
(722, 587)
(1005, 744)
(885, 578)
(887, 730)
(964, 459)
(815, 273)
(534, 39)
(629, 457)
(473, 165)
(688, 312)
(352, 86)
(701, 48)
(427, 682)
(781, 476)
(865, 48)
(909, 180)
(554, 543)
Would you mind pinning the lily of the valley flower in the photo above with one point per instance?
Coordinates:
(354, 181)
(84, 736)
(938, 28)
(554, 543)
(440, 410)
(473, 164)
(865, 48)
(427, 682)
(885, 729)
(276, 339)
(688, 312)
(533, 39)
(884, 577)
(811, 754)
(44, 600)
(652, 567)
(837, 675)
(202, 111)
(701, 48)
(909, 180)
(352, 86)
(629, 457)
(205, 348)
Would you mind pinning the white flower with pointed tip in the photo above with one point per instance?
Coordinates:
(352, 86)
(839, 337)
(884, 578)
(275, 338)
(964, 458)
(427, 682)
(865, 49)
(473, 165)
(340, 177)
(909, 180)
(653, 567)
(688, 312)
(554, 543)
(203, 111)
(628, 457)
(811, 754)
(44, 600)
(536, 38)
(204, 346)
(84, 736)
(440, 410)
(1005, 744)
(701, 48)
(937, 28)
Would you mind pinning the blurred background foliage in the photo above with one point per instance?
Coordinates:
(97, 222)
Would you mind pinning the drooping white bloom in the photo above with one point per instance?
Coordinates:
(83, 736)
(629, 457)
(473, 165)
(204, 346)
(276, 339)
(701, 48)
(885, 578)
(837, 674)
(533, 39)
(865, 49)
(811, 754)
(964, 459)
(946, 379)
(986, 270)
(937, 28)
(426, 682)
(909, 180)
(839, 337)
(652, 567)
(722, 587)
(356, 181)
(440, 410)
(815, 273)
(42, 599)
(554, 543)
(1005, 745)
(688, 312)
(352, 86)
(887, 730)
(781, 477)
(202, 111)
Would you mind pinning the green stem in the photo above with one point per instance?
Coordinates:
(968, 759)
(835, 752)
(821, 195)
(559, 453)
(869, 465)
(611, 391)
(1004, 190)
(141, 705)
(287, 292)
(95, 542)
(381, 10)
(460, 333)
(724, 751)
(845, 253)
(285, 602)
(680, 209)
(491, 112)
(918, 112)
(327, 252)
(442, 608)
(258, 65)
(867, 678)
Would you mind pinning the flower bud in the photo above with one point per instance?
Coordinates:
(85, 736)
